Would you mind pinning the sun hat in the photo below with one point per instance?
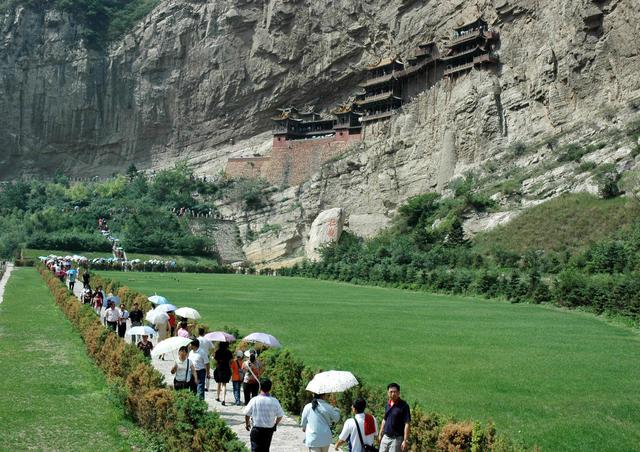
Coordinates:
(239, 353)
(250, 352)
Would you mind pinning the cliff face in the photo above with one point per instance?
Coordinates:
(198, 80)
(195, 74)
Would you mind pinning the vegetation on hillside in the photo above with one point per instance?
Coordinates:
(103, 20)
(140, 211)
(547, 255)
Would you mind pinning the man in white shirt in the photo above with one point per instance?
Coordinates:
(207, 346)
(200, 359)
(264, 412)
(368, 428)
(204, 343)
(112, 315)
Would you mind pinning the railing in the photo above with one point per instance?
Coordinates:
(378, 97)
(460, 54)
(384, 114)
(377, 80)
(465, 37)
(462, 67)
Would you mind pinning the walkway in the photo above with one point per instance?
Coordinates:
(5, 278)
(288, 437)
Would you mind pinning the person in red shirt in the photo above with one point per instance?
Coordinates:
(172, 323)
(237, 375)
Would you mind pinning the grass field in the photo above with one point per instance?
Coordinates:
(51, 396)
(29, 253)
(561, 380)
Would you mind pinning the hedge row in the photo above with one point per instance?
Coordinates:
(179, 418)
(164, 267)
(429, 431)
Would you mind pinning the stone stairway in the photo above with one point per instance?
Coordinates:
(224, 233)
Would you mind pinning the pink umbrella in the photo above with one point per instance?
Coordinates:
(220, 336)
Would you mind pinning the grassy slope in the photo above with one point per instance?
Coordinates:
(563, 380)
(51, 396)
(570, 221)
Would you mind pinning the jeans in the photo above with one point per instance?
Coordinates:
(134, 338)
(250, 390)
(202, 380)
(391, 444)
(236, 391)
(261, 439)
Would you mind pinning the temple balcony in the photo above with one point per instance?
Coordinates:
(377, 98)
(377, 80)
(491, 58)
(465, 37)
(456, 69)
(410, 70)
(459, 55)
(376, 116)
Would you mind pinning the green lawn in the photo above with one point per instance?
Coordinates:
(561, 380)
(52, 397)
(29, 253)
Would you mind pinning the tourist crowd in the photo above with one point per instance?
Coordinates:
(192, 371)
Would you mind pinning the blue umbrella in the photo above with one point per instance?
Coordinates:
(111, 298)
(158, 299)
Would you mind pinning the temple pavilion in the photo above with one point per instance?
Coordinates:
(382, 91)
(471, 45)
(292, 124)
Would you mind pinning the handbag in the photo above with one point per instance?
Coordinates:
(365, 447)
(183, 384)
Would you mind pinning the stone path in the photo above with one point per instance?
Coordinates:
(288, 437)
(5, 278)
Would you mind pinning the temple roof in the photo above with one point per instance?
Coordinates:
(384, 62)
(471, 23)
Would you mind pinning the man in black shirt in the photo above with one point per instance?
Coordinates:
(135, 315)
(394, 431)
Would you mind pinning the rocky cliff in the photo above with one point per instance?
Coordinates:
(198, 80)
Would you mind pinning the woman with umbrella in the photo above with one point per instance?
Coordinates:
(222, 372)
(316, 421)
(252, 371)
(145, 346)
(185, 373)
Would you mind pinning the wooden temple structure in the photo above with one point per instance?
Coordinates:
(472, 45)
(303, 139)
(392, 82)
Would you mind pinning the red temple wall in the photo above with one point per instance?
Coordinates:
(291, 162)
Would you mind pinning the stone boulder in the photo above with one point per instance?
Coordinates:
(326, 228)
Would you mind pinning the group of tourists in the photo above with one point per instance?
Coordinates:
(191, 369)
(263, 414)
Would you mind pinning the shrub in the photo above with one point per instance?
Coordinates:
(180, 419)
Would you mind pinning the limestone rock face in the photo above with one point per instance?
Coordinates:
(195, 78)
(325, 229)
(198, 80)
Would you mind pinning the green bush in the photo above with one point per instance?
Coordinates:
(179, 418)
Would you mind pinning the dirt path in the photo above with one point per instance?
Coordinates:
(5, 278)
(288, 437)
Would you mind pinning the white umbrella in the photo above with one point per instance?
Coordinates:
(154, 317)
(187, 313)
(263, 338)
(332, 381)
(165, 307)
(220, 336)
(169, 345)
(140, 331)
(158, 299)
